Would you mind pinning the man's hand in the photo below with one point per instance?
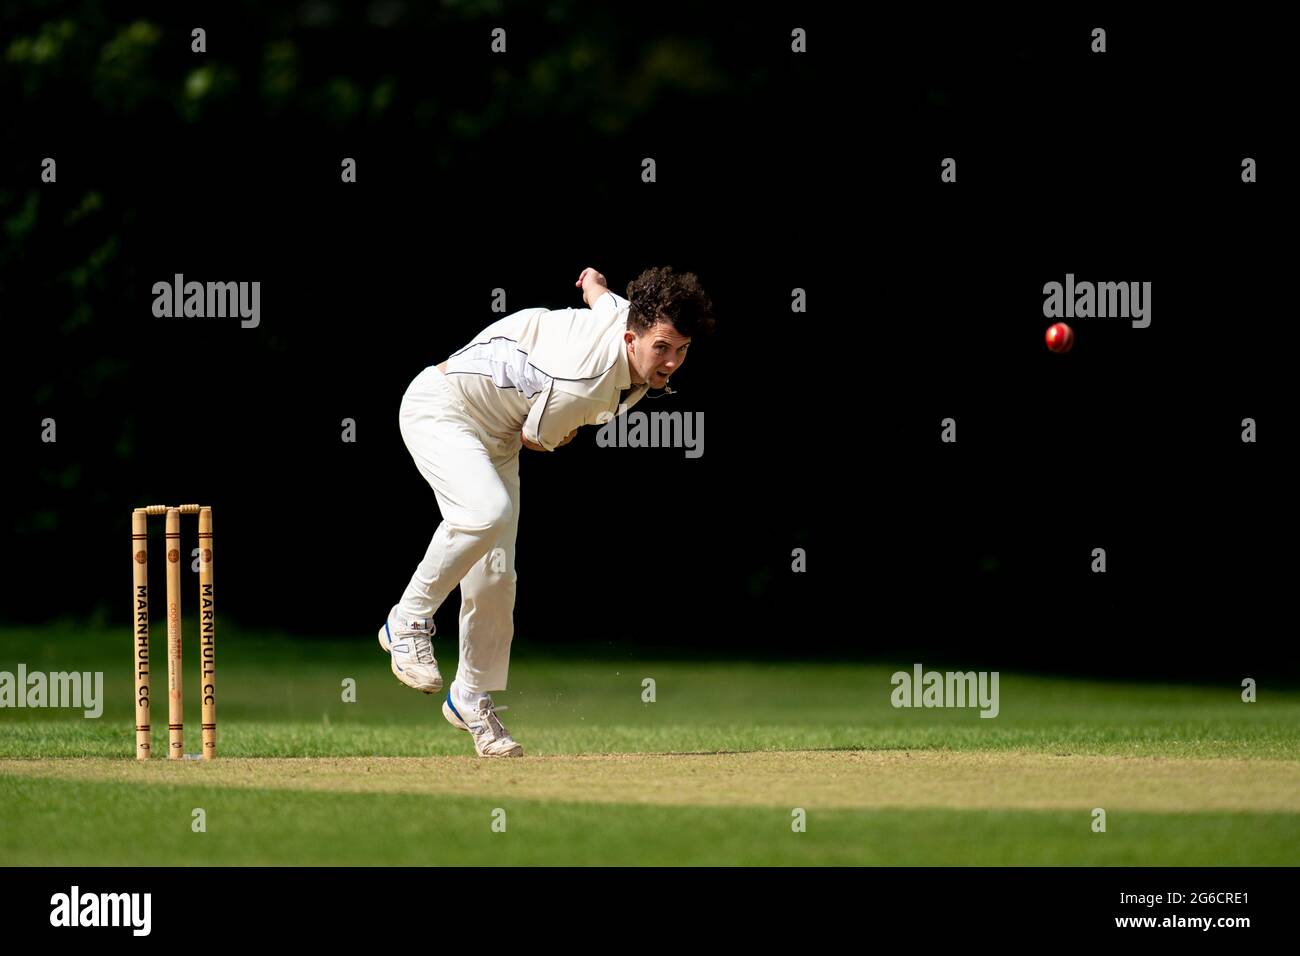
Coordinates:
(592, 284)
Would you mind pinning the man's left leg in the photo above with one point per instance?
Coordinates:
(487, 606)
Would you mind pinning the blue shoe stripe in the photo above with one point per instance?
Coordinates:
(455, 711)
(390, 641)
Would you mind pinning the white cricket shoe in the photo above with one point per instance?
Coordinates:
(409, 641)
(491, 739)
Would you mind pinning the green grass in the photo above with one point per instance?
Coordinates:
(282, 698)
(133, 825)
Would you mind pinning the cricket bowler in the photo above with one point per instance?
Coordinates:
(529, 380)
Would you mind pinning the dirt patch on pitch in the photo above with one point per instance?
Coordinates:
(825, 779)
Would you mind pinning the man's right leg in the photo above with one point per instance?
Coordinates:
(475, 506)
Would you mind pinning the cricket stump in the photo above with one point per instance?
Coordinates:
(140, 567)
(175, 692)
(207, 636)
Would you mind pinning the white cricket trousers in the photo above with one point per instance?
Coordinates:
(477, 487)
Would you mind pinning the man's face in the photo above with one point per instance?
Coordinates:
(657, 354)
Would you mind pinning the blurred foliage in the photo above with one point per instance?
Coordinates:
(124, 75)
(336, 63)
(120, 84)
(22, 220)
(45, 47)
(280, 74)
(91, 202)
(93, 71)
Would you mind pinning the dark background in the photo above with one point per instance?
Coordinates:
(775, 171)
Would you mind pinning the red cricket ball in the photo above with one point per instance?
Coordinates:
(1060, 337)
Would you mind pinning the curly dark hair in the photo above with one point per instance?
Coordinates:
(661, 295)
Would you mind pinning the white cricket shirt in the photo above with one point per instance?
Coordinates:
(546, 372)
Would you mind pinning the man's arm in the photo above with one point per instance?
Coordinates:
(592, 284)
(536, 447)
(555, 416)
